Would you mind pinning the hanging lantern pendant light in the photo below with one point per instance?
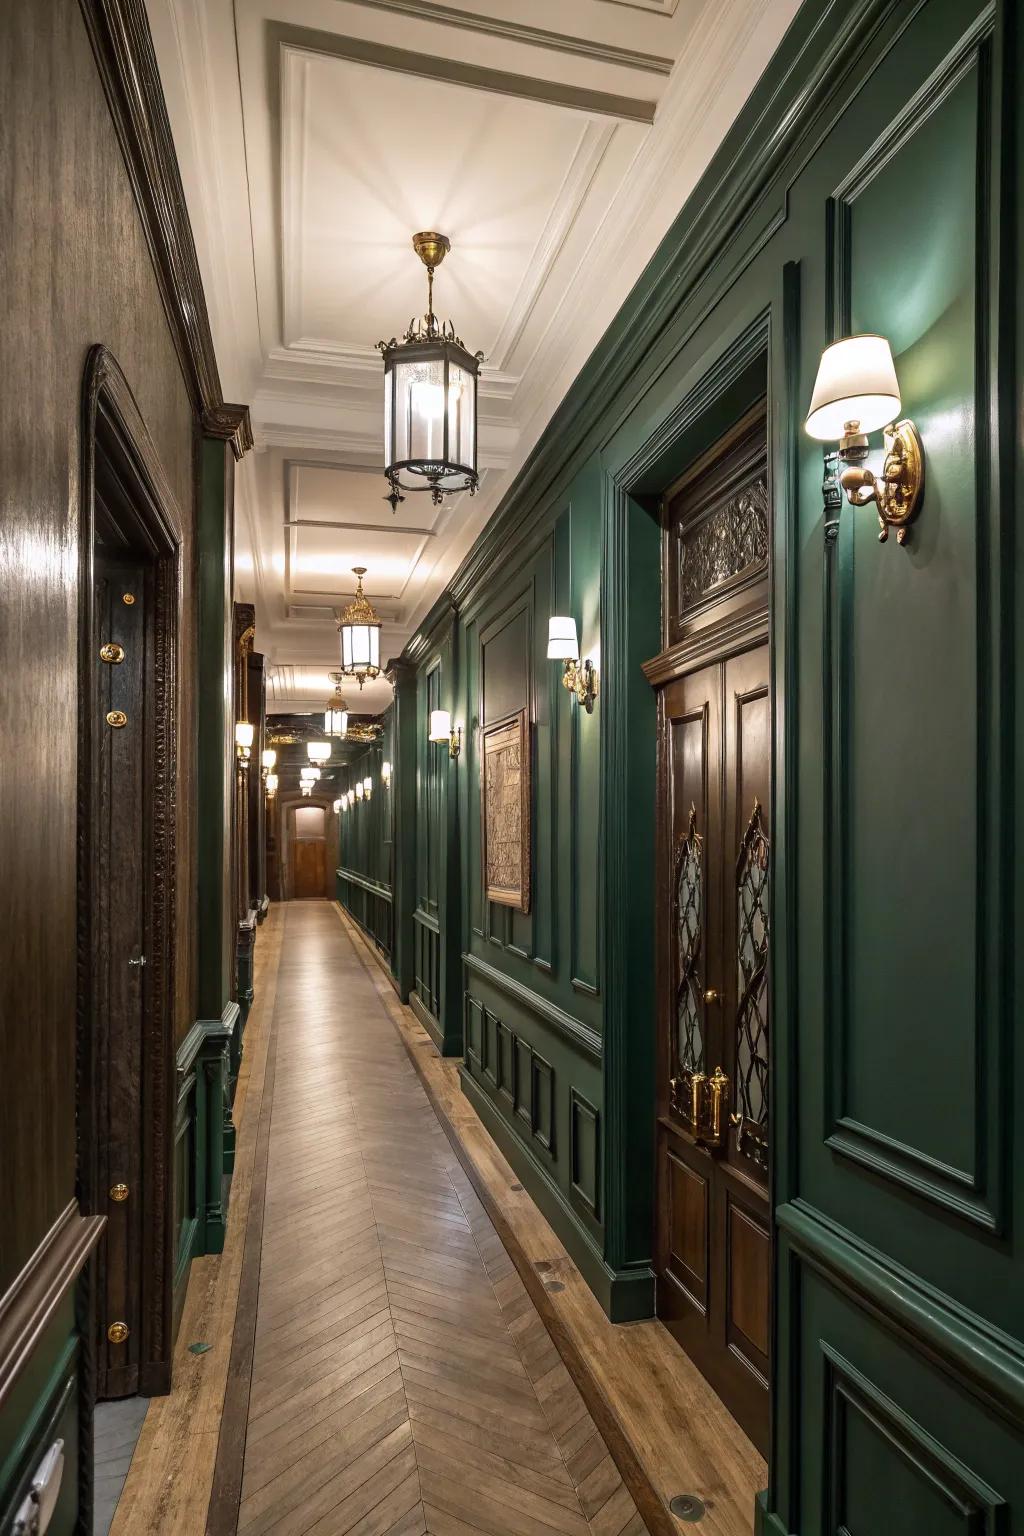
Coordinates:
(360, 635)
(430, 399)
(336, 711)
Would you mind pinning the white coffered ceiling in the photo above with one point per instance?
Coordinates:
(552, 140)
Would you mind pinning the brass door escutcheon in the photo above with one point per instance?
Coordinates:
(128, 599)
(710, 996)
(119, 1192)
(117, 718)
(112, 652)
(117, 1333)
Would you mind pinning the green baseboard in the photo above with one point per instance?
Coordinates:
(625, 1295)
(766, 1522)
(446, 1046)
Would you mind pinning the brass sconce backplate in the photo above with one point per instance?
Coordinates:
(898, 490)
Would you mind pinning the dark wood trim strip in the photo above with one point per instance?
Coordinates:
(123, 45)
(226, 1496)
(648, 1500)
(35, 1294)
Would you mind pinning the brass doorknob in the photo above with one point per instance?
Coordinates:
(710, 996)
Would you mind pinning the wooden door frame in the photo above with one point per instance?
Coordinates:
(111, 417)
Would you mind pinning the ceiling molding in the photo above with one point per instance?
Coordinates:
(299, 362)
(123, 46)
(232, 424)
(519, 32)
(357, 50)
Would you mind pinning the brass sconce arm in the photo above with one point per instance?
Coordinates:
(455, 742)
(897, 491)
(581, 679)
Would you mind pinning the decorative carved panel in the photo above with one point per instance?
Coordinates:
(505, 812)
(752, 991)
(732, 541)
(689, 919)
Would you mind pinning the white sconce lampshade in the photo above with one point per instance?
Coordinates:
(244, 733)
(359, 789)
(271, 783)
(563, 643)
(367, 785)
(269, 758)
(385, 772)
(856, 388)
(440, 725)
(351, 797)
(337, 807)
(309, 775)
(318, 751)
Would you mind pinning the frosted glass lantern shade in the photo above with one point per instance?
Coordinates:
(307, 789)
(385, 772)
(244, 733)
(430, 416)
(359, 789)
(351, 797)
(360, 649)
(563, 644)
(318, 751)
(309, 775)
(440, 725)
(271, 783)
(856, 383)
(269, 758)
(336, 722)
(367, 785)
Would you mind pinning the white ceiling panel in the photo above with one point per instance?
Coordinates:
(553, 143)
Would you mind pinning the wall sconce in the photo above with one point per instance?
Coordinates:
(337, 806)
(441, 729)
(268, 760)
(307, 789)
(367, 787)
(270, 783)
(564, 646)
(359, 789)
(857, 392)
(318, 751)
(385, 773)
(351, 797)
(244, 733)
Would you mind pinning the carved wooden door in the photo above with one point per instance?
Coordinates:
(714, 873)
(120, 657)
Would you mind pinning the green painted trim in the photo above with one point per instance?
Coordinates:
(206, 1029)
(766, 1522)
(965, 1346)
(581, 1035)
(433, 1028)
(626, 1295)
(374, 887)
(37, 1433)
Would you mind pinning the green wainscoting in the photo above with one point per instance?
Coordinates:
(366, 840)
(44, 1406)
(203, 1143)
(871, 182)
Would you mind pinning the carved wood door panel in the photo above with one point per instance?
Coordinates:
(309, 867)
(120, 651)
(714, 724)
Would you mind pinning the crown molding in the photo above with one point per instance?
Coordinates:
(232, 424)
(123, 47)
(539, 37)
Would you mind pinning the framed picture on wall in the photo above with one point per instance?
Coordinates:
(505, 803)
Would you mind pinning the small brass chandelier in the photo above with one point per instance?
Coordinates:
(336, 712)
(360, 635)
(430, 389)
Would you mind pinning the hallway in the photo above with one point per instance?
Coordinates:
(401, 1378)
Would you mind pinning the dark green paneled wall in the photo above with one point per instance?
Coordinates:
(366, 839)
(871, 182)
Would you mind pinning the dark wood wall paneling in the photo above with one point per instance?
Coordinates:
(95, 248)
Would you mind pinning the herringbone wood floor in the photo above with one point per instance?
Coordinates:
(402, 1380)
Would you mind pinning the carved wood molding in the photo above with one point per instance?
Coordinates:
(123, 46)
(34, 1296)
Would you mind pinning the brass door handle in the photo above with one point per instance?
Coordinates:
(710, 996)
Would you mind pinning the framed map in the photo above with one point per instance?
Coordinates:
(505, 812)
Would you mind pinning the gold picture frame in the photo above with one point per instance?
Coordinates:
(505, 810)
